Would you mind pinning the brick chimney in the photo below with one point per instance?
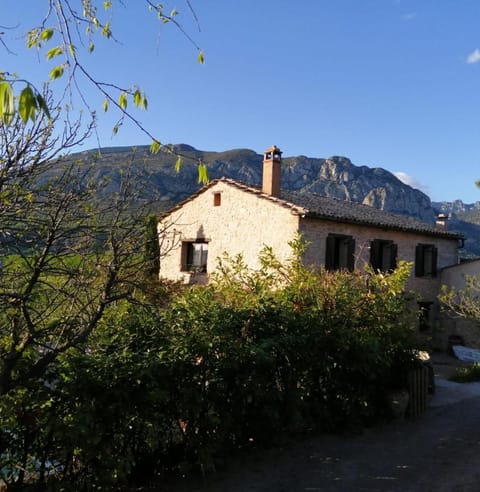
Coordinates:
(272, 160)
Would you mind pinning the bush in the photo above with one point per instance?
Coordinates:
(469, 374)
(251, 358)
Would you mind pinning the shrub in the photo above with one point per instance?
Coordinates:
(253, 357)
(468, 374)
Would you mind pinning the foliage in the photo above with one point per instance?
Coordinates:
(465, 302)
(253, 357)
(151, 247)
(468, 374)
(65, 257)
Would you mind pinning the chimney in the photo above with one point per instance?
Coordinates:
(272, 160)
(441, 221)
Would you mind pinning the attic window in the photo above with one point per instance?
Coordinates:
(217, 199)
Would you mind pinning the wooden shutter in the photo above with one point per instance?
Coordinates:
(375, 254)
(351, 253)
(419, 267)
(434, 260)
(330, 263)
(394, 250)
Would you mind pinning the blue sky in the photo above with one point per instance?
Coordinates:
(386, 83)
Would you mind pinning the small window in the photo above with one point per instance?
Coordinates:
(194, 256)
(383, 255)
(426, 260)
(217, 199)
(340, 252)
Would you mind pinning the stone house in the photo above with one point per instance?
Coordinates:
(228, 216)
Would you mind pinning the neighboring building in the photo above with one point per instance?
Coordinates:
(451, 324)
(228, 216)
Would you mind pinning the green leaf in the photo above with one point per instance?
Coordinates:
(137, 98)
(178, 164)
(32, 38)
(72, 50)
(122, 100)
(56, 72)
(202, 173)
(155, 147)
(105, 105)
(58, 50)
(7, 106)
(107, 4)
(201, 57)
(27, 104)
(42, 104)
(91, 47)
(46, 34)
(106, 31)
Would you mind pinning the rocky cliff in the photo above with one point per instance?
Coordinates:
(334, 177)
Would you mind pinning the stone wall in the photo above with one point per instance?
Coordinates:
(316, 232)
(242, 223)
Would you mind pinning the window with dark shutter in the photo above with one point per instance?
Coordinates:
(340, 252)
(426, 256)
(383, 255)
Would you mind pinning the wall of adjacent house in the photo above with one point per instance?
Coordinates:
(316, 232)
(242, 223)
(451, 323)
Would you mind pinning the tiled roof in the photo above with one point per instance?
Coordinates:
(316, 206)
(344, 211)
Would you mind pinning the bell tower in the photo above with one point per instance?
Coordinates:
(272, 160)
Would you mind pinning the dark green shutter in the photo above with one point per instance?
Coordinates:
(375, 254)
(351, 253)
(330, 253)
(419, 267)
(434, 260)
(394, 249)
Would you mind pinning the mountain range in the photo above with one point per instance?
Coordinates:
(335, 176)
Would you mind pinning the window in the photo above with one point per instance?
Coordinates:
(217, 199)
(426, 260)
(383, 255)
(340, 252)
(194, 256)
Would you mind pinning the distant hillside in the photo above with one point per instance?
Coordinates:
(334, 177)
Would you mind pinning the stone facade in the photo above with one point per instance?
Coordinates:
(316, 231)
(240, 223)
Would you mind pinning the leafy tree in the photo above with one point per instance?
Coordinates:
(67, 35)
(65, 257)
